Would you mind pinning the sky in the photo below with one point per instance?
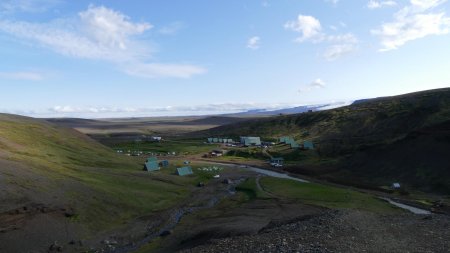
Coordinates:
(115, 58)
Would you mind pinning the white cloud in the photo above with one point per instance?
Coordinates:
(308, 26)
(27, 76)
(311, 30)
(423, 5)
(373, 4)
(254, 43)
(413, 22)
(151, 70)
(316, 84)
(348, 38)
(99, 33)
(105, 111)
(335, 52)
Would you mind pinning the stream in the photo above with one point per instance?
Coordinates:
(273, 174)
(412, 209)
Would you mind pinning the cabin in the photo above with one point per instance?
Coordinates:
(217, 153)
(156, 138)
(396, 186)
(151, 164)
(250, 141)
(308, 145)
(164, 163)
(152, 159)
(294, 145)
(184, 171)
(277, 160)
(219, 140)
(285, 139)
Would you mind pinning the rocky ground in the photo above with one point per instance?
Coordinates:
(344, 231)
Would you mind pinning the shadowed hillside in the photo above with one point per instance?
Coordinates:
(68, 186)
(375, 141)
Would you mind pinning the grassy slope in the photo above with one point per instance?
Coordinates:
(322, 195)
(61, 167)
(361, 139)
(375, 121)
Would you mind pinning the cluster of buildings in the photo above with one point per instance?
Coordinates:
(220, 140)
(249, 141)
(152, 164)
(294, 144)
(245, 141)
(289, 141)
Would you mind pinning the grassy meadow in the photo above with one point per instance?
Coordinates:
(323, 195)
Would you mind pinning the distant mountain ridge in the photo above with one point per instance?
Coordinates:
(294, 110)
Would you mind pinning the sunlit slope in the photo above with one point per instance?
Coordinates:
(41, 163)
(378, 141)
(343, 129)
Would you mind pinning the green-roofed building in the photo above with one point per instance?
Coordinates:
(251, 141)
(164, 163)
(294, 144)
(184, 171)
(215, 140)
(287, 140)
(308, 145)
(277, 160)
(151, 166)
(152, 159)
(210, 140)
(283, 139)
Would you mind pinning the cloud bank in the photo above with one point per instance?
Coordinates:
(100, 33)
(417, 20)
(310, 29)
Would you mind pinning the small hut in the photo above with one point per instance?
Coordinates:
(184, 171)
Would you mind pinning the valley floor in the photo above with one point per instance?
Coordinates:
(272, 221)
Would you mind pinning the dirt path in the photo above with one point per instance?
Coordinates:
(260, 188)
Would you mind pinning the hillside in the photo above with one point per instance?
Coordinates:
(404, 138)
(57, 184)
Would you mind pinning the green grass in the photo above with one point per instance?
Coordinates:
(250, 189)
(322, 195)
(247, 153)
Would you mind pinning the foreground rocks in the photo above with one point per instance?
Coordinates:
(344, 231)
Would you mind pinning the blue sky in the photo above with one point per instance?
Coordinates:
(148, 58)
